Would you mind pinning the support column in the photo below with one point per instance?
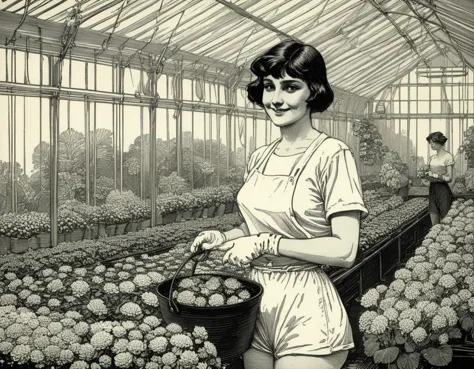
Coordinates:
(179, 123)
(55, 77)
(87, 138)
(153, 84)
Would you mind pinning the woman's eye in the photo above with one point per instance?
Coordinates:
(291, 88)
(268, 87)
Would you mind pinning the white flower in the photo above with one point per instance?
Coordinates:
(398, 285)
(443, 338)
(418, 335)
(102, 340)
(370, 298)
(379, 325)
(406, 325)
(79, 288)
(97, 307)
(131, 309)
(439, 322)
(127, 287)
(447, 281)
(142, 280)
(365, 320)
(150, 299)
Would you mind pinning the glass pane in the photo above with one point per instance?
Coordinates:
(104, 83)
(413, 107)
(404, 93)
(162, 88)
(423, 107)
(435, 107)
(413, 93)
(187, 89)
(404, 107)
(435, 93)
(423, 93)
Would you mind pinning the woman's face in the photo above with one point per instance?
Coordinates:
(435, 145)
(285, 99)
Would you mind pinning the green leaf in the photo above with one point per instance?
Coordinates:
(441, 356)
(408, 361)
(370, 347)
(410, 347)
(455, 333)
(467, 323)
(399, 339)
(386, 356)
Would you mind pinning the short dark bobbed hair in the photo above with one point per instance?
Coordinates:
(437, 137)
(297, 60)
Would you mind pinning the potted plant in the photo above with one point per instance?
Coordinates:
(189, 204)
(71, 226)
(108, 220)
(19, 229)
(123, 218)
(169, 206)
(4, 240)
(35, 221)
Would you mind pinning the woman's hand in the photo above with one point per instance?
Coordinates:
(245, 249)
(209, 240)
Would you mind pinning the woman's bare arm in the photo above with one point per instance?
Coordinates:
(339, 250)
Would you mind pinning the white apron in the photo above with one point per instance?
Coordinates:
(301, 312)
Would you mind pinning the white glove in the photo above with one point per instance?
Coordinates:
(245, 249)
(209, 240)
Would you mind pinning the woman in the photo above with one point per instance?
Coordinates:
(302, 203)
(437, 178)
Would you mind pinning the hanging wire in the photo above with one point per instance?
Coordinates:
(23, 18)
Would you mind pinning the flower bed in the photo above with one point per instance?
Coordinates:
(380, 227)
(411, 322)
(91, 251)
(98, 317)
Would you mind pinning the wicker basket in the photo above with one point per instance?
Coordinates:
(230, 327)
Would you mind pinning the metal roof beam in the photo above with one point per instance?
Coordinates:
(255, 19)
(400, 31)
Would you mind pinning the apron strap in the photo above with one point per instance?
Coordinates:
(266, 154)
(301, 164)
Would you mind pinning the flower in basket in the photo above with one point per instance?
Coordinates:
(19, 225)
(68, 221)
(210, 291)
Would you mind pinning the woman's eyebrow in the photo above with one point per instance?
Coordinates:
(291, 82)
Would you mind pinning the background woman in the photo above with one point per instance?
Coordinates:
(302, 203)
(437, 178)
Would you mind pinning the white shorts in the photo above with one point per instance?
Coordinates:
(301, 314)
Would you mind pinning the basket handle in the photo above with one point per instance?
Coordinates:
(199, 255)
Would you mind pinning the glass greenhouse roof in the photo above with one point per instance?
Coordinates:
(366, 44)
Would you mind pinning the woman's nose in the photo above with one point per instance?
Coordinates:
(277, 99)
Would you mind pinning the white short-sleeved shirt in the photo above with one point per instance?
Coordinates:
(439, 163)
(328, 184)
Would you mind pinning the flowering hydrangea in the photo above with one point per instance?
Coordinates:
(370, 298)
(123, 360)
(406, 325)
(397, 285)
(412, 314)
(443, 338)
(365, 320)
(156, 277)
(450, 267)
(130, 309)
(439, 322)
(127, 287)
(158, 345)
(150, 299)
(391, 314)
(33, 300)
(411, 293)
(142, 280)
(80, 288)
(136, 347)
(97, 307)
(379, 325)
(401, 305)
(447, 281)
(111, 289)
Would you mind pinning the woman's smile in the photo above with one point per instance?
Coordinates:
(285, 99)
